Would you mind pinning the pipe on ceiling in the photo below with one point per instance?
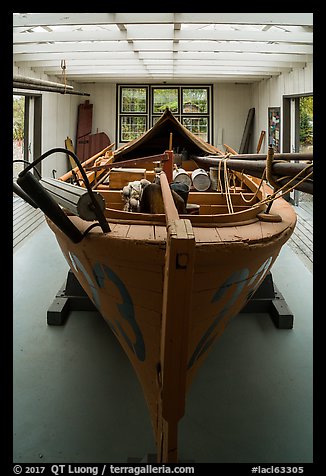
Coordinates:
(47, 88)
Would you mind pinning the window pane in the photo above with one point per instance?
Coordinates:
(133, 99)
(194, 100)
(163, 98)
(306, 124)
(197, 125)
(18, 133)
(132, 127)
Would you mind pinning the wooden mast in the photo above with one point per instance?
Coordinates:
(178, 275)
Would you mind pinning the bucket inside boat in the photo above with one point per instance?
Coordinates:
(213, 174)
(180, 175)
(181, 189)
(200, 180)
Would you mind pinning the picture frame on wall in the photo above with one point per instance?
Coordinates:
(274, 123)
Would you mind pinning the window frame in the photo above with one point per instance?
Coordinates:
(151, 115)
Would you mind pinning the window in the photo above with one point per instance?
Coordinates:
(140, 106)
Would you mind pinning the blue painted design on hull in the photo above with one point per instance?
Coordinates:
(101, 272)
(238, 279)
(126, 309)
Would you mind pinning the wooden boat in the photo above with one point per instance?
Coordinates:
(166, 283)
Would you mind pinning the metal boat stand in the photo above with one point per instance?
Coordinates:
(70, 297)
(267, 299)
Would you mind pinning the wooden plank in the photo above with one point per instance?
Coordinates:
(260, 141)
(178, 277)
(215, 198)
(247, 133)
(69, 146)
(21, 210)
(160, 232)
(84, 128)
(119, 230)
(120, 177)
(302, 246)
(141, 232)
(220, 209)
(229, 233)
(304, 233)
(22, 232)
(206, 235)
(26, 220)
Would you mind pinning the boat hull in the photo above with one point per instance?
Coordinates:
(123, 274)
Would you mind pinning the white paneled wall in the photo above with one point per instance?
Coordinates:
(270, 92)
(231, 103)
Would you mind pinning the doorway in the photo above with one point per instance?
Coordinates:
(298, 132)
(26, 147)
(27, 113)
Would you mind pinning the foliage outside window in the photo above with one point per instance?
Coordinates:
(163, 98)
(306, 121)
(195, 100)
(197, 126)
(132, 127)
(18, 117)
(139, 107)
(134, 99)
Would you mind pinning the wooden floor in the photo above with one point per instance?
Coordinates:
(25, 219)
(301, 241)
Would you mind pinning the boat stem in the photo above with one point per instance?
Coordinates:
(177, 291)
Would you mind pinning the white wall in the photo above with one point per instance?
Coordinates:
(59, 120)
(270, 92)
(231, 103)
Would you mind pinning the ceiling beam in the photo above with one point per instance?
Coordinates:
(211, 46)
(230, 58)
(156, 34)
(36, 19)
(157, 68)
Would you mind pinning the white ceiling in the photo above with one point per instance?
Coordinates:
(156, 47)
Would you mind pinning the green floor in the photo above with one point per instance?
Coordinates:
(77, 400)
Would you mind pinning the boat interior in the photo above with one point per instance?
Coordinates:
(217, 202)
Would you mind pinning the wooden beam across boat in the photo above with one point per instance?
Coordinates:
(130, 162)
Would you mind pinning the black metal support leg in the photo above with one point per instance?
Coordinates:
(268, 299)
(70, 297)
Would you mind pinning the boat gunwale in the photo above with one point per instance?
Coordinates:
(242, 217)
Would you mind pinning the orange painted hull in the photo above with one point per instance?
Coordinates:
(123, 274)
